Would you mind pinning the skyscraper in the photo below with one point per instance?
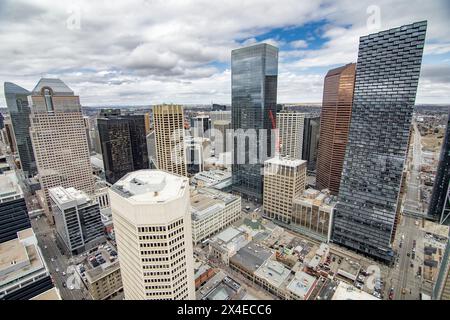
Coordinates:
(387, 74)
(168, 122)
(334, 123)
(311, 135)
(123, 142)
(254, 74)
(439, 208)
(59, 139)
(17, 103)
(290, 125)
(152, 223)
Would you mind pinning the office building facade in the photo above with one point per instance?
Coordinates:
(168, 122)
(152, 223)
(290, 125)
(123, 142)
(254, 74)
(284, 180)
(59, 139)
(439, 207)
(78, 221)
(334, 126)
(19, 111)
(311, 135)
(387, 74)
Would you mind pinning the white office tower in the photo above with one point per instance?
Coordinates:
(291, 126)
(152, 222)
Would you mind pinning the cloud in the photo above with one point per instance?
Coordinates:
(151, 51)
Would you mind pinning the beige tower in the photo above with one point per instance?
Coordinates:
(152, 223)
(290, 125)
(168, 122)
(58, 135)
(284, 180)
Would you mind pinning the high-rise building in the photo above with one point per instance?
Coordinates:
(290, 125)
(59, 139)
(219, 107)
(284, 180)
(168, 122)
(441, 289)
(197, 150)
(334, 126)
(10, 138)
(201, 126)
(148, 127)
(254, 74)
(2, 120)
(79, 225)
(221, 128)
(387, 74)
(219, 115)
(439, 208)
(19, 111)
(311, 135)
(152, 223)
(151, 147)
(123, 142)
(13, 209)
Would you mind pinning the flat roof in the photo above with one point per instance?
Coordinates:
(346, 291)
(273, 272)
(51, 294)
(288, 162)
(151, 186)
(12, 252)
(68, 195)
(228, 234)
(9, 185)
(207, 201)
(301, 284)
(251, 256)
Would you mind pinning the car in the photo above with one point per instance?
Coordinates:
(71, 287)
(57, 270)
(64, 274)
(412, 265)
(404, 291)
(52, 259)
(45, 247)
(416, 223)
(64, 285)
(334, 259)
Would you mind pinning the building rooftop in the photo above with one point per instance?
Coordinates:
(51, 294)
(151, 186)
(346, 291)
(207, 201)
(68, 196)
(9, 186)
(288, 162)
(101, 262)
(209, 178)
(313, 197)
(273, 272)
(302, 284)
(251, 256)
(19, 258)
(12, 88)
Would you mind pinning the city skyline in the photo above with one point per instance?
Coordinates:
(184, 57)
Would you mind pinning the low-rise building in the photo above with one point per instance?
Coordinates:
(225, 244)
(272, 276)
(202, 273)
(301, 287)
(212, 211)
(346, 291)
(312, 214)
(102, 273)
(249, 258)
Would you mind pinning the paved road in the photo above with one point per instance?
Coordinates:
(49, 248)
(412, 200)
(403, 275)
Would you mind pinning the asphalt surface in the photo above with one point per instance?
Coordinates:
(49, 248)
(412, 203)
(403, 276)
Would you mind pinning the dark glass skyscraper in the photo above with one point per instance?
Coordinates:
(439, 209)
(17, 103)
(311, 135)
(387, 74)
(123, 142)
(254, 74)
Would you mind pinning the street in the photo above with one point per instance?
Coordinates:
(49, 248)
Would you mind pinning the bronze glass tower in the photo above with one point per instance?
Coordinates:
(334, 126)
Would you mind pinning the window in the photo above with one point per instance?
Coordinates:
(48, 99)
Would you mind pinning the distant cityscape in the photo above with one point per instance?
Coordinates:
(343, 199)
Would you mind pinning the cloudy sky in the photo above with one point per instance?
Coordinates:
(150, 51)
